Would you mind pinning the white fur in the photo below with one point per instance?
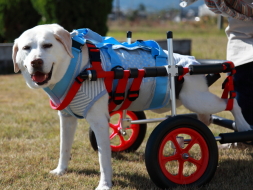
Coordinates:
(194, 94)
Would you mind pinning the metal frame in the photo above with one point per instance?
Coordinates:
(172, 72)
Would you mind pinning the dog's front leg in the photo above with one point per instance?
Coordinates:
(67, 130)
(98, 118)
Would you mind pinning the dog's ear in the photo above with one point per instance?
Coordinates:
(64, 37)
(14, 54)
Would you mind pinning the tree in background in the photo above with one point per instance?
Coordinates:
(15, 17)
(75, 14)
(139, 13)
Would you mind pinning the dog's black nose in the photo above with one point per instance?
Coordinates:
(37, 63)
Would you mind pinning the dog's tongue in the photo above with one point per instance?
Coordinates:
(39, 77)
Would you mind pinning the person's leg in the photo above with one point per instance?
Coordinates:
(243, 81)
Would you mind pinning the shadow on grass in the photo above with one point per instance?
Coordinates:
(84, 172)
(231, 174)
(122, 180)
(133, 181)
(132, 156)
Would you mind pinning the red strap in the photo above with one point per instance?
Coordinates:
(77, 83)
(70, 95)
(108, 85)
(229, 91)
(119, 94)
(232, 67)
(134, 87)
(186, 70)
(96, 65)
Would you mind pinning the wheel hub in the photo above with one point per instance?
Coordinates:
(122, 132)
(185, 156)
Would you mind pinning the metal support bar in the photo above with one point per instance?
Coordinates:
(231, 137)
(172, 79)
(125, 122)
(187, 141)
(172, 70)
(229, 124)
(129, 37)
(236, 137)
(142, 121)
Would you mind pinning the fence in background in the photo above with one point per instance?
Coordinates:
(6, 64)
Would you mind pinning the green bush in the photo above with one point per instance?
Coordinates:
(75, 14)
(15, 17)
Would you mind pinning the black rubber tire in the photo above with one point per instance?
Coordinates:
(142, 132)
(156, 138)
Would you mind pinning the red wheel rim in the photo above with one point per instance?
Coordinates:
(123, 142)
(182, 155)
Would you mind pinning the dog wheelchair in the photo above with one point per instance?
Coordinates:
(181, 150)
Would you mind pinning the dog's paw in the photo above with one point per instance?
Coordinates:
(104, 186)
(58, 171)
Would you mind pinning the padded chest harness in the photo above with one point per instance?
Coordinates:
(117, 95)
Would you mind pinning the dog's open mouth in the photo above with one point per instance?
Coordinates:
(41, 78)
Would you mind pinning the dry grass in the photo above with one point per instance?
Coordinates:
(29, 139)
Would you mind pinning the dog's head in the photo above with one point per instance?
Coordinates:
(43, 54)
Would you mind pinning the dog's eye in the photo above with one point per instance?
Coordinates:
(47, 45)
(26, 48)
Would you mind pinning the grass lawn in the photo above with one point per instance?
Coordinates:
(29, 135)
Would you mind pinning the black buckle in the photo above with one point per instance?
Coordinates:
(118, 72)
(136, 93)
(232, 94)
(110, 96)
(94, 55)
(77, 45)
(83, 75)
(134, 72)
(118, 98)
(79, 80)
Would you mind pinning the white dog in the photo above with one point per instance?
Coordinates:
(43, 54)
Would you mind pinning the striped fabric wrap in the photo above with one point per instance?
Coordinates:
(237, 9)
